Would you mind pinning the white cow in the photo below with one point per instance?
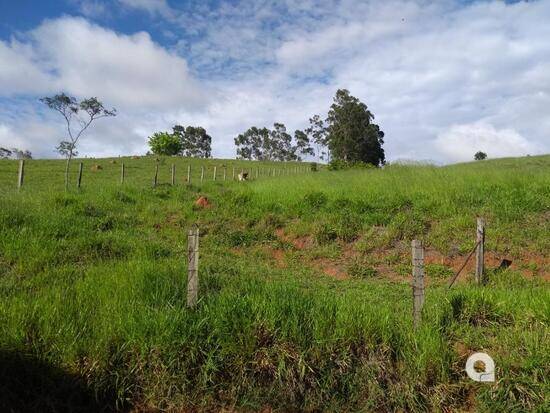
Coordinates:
(243, 176)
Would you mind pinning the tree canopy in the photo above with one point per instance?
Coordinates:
(351, 134)
(275, 144)
(192, 141)
(479, 156)
(195, 142)
(164, 143)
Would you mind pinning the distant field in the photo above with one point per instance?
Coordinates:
(305, 298)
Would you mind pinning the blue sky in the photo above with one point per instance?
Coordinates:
(444, 79)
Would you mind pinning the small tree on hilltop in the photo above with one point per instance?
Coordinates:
(78, 117)
(352, 137)
(479, 156)
(164, 143)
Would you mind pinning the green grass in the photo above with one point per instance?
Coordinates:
(93, 289)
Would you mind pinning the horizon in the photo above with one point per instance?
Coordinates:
(443, 80)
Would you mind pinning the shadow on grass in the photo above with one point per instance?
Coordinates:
(31, 385)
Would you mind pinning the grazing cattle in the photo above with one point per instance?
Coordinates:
(243, 176)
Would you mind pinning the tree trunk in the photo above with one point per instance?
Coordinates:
(67, 172)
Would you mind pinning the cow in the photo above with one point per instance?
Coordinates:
(243, 176)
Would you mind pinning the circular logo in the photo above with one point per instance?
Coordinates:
(481, 367)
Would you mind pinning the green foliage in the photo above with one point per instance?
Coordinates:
(352, 136)
(479, 156)
(275, 145)
(195, 142)
(164, 143)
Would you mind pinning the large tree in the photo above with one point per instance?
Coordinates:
(352, 137)
(195, 141)
(78, 117)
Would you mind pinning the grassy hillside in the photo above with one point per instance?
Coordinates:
(305, 300)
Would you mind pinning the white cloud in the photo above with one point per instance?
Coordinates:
(151, 6)
(461, 142)
(84, 59)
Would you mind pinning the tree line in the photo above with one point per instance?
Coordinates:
(347, 134)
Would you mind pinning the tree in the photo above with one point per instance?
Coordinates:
(280, 144)
(252, 144)
(273, 145)
(352, 137)
(479, 156)
(78, 117)
(303, 146)
(318, 132)
(165, 143)
(195, 142)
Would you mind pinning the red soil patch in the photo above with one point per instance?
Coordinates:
(299, 243)
(203, 202)
(279, 257)
(330, 268)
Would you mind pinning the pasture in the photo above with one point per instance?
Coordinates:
(304, 292)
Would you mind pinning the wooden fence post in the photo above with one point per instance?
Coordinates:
(192, 267)
(79, 177)
(418, 280)
(215, 170)
(202, 173)
(122, 173)
(257, 172)
(189, 173)
(480, 250)
(224, 172)
(173, 174)
(21, 173)
(233, 178)
(155, 178)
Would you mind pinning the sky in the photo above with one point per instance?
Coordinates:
(443, 79)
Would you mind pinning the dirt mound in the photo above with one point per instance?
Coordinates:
(203, 202)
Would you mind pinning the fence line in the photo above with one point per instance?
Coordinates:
(252, 172)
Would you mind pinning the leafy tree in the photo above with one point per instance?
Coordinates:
(318, 132)
(275, 145)
(303, 146)
(78, 117)
(479, 156)
(280, 144)
(252, 143)
(164, 143)
(352, 137)
(195, 141)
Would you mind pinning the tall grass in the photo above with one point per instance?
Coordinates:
(93, 283)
